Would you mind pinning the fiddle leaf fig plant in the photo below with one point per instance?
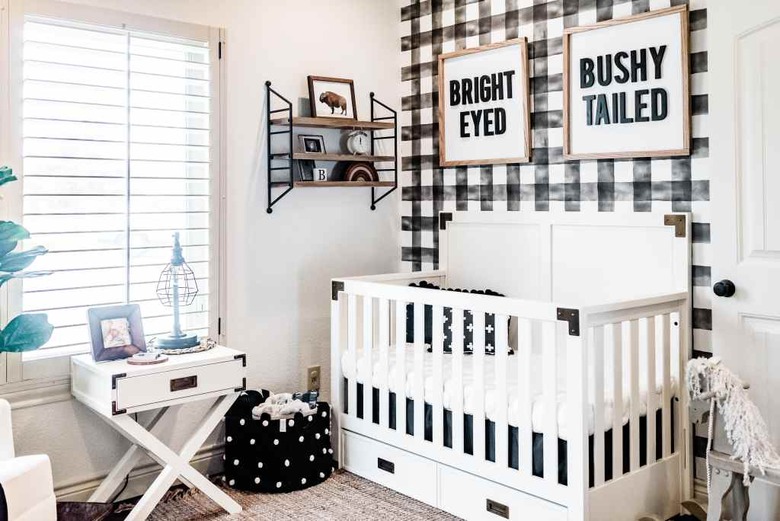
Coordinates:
(28, 331)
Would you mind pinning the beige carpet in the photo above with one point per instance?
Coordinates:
(342, 497)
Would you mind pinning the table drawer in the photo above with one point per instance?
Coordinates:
(475, 498)
(403, 471)
(149, 389)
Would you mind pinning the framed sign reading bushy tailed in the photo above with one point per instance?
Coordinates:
(626, 91)
(484, 115)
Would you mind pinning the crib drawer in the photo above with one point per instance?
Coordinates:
(474, 498)
(395, 468)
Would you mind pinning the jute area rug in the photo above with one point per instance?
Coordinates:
(342, 497)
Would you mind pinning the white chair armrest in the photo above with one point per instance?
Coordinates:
(6, 432)
(29, 488)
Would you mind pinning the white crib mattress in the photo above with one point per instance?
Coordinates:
(539, 414)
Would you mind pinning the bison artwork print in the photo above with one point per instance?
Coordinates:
(332, 97)
(334, 101)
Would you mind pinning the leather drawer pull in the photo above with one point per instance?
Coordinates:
(387, 466)
(497, 508)
(186, 382)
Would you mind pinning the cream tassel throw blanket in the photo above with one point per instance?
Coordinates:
(709, 379)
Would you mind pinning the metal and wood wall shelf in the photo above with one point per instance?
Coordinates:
(283, 157)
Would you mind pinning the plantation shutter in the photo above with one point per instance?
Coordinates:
(116, 157)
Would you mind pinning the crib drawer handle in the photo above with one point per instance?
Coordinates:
(494, 507)
(387, 466)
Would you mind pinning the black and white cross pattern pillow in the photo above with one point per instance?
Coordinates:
(468, 332)
(468, 323)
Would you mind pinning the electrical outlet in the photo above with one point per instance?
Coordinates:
(313, 378)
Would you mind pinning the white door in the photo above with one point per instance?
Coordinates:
(744, 111)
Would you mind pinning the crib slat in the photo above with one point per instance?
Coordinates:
(576, 349)
(438, 377)
(479, 385)
(598, 406)
(635, 398)
(652, 402)
(617, 400)
(457, 381)
(419, 371)
(550, 400)
(368, 349)
(400, 368)
(336, 372)
(525, 343)
(500, 417)
(666, 395)
(352, 350)
(677, 372)
(384, 343)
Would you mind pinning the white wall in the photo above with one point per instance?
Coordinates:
(278, 266)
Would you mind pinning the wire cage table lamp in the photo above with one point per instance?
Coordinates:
(177, 287)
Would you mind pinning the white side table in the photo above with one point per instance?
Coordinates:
(116, 389)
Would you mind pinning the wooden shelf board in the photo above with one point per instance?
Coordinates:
(335, 123)
(340, 157)
(345, 184)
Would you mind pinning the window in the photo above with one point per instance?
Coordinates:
(119, 150)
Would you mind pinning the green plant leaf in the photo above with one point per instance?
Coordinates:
(26, 333)
(5, 277)
(10, 231)
(10, 234)
(6, 175)
(17, 261)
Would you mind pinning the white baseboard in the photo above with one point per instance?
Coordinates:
(208, 461)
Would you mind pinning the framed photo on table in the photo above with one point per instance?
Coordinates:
(484, 108)
(116, 332)
(626, 89)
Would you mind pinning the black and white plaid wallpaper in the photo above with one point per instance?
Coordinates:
(548, 183)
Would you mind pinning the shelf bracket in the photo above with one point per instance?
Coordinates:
(374, 104)
(269, 92)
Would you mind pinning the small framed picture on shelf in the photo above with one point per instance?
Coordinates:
(312, 144)
(116, 332)
(305, 170)
(332, 97)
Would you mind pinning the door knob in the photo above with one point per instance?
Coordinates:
(724, 288)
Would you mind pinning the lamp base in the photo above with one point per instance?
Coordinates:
(177, 342)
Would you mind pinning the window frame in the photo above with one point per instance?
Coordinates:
(47, 375)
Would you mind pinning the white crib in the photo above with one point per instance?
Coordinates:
(597, 316)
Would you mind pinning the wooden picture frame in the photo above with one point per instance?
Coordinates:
(524, 146)
(306, 170)
(306, 140)
(318, 106)
(96, 317)
(684, 147)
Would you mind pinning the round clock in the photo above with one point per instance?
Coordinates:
(358, 142)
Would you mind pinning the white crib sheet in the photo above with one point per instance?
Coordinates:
(513, 407)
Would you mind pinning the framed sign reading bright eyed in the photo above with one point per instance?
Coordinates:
(484, 113)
